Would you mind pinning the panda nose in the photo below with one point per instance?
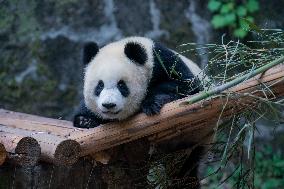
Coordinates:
(109, 105)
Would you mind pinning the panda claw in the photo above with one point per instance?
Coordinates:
(83, 122)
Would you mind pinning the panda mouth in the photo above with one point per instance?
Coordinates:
(111, 113)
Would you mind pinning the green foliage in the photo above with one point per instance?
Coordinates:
(232, 13)
(268, 172)
(239, 161)
(157, 176)
(269, 169)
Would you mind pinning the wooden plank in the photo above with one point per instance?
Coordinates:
(36, 123)
(54, 149)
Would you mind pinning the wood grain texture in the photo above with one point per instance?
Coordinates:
(54, 148)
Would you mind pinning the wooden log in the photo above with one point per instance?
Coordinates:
(3, 154)
(54, 149)
(21, 150)
(174, 120)
(195, 118)
(35, 123)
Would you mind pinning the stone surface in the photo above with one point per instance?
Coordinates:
(133, 18)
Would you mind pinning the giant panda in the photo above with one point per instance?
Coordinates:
(132, 75)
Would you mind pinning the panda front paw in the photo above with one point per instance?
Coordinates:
(84, 122)
(151, 108)
(153, 104)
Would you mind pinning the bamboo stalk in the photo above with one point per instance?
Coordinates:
(217, 90)
(3, 154)
(21, 150)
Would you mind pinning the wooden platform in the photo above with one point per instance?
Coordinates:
(25, 138)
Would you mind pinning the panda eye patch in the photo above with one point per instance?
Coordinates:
(99, 88)
(122, 87)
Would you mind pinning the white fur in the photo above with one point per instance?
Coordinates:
(111, 95)
(111, 65)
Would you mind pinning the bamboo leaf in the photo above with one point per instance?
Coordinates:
(217, 90)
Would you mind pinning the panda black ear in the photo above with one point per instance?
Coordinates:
(89, 52)
(136, 52)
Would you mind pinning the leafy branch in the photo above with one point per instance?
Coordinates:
(217, 90)
(230, 13)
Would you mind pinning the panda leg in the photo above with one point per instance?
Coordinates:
(154, 104)
(158, 96)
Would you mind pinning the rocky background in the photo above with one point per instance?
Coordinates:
(41, 42)
(40, 58)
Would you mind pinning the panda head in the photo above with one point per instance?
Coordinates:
(117, 76)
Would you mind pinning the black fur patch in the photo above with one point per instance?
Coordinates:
(89, 52)
(168, 67)
(122, 87)
(135, 52)
(84, 118)
(171, 80)
(153, 104)
(99, 88)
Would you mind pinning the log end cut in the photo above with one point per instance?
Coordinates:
(67, 152)
(27, 151)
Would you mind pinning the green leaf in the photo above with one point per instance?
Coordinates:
(241, 11)
(252, 5)
(226, 8)
(243, 24)
(249, 18)
(230, 18)
(247, 23)
(239, 32)
(214, 5)
(218, 21)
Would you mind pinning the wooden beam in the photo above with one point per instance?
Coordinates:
(54, 148)
(197, 119)
(21, 150)
(3, 154)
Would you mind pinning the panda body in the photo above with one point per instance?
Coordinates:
(131, 75)
(135, 75)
